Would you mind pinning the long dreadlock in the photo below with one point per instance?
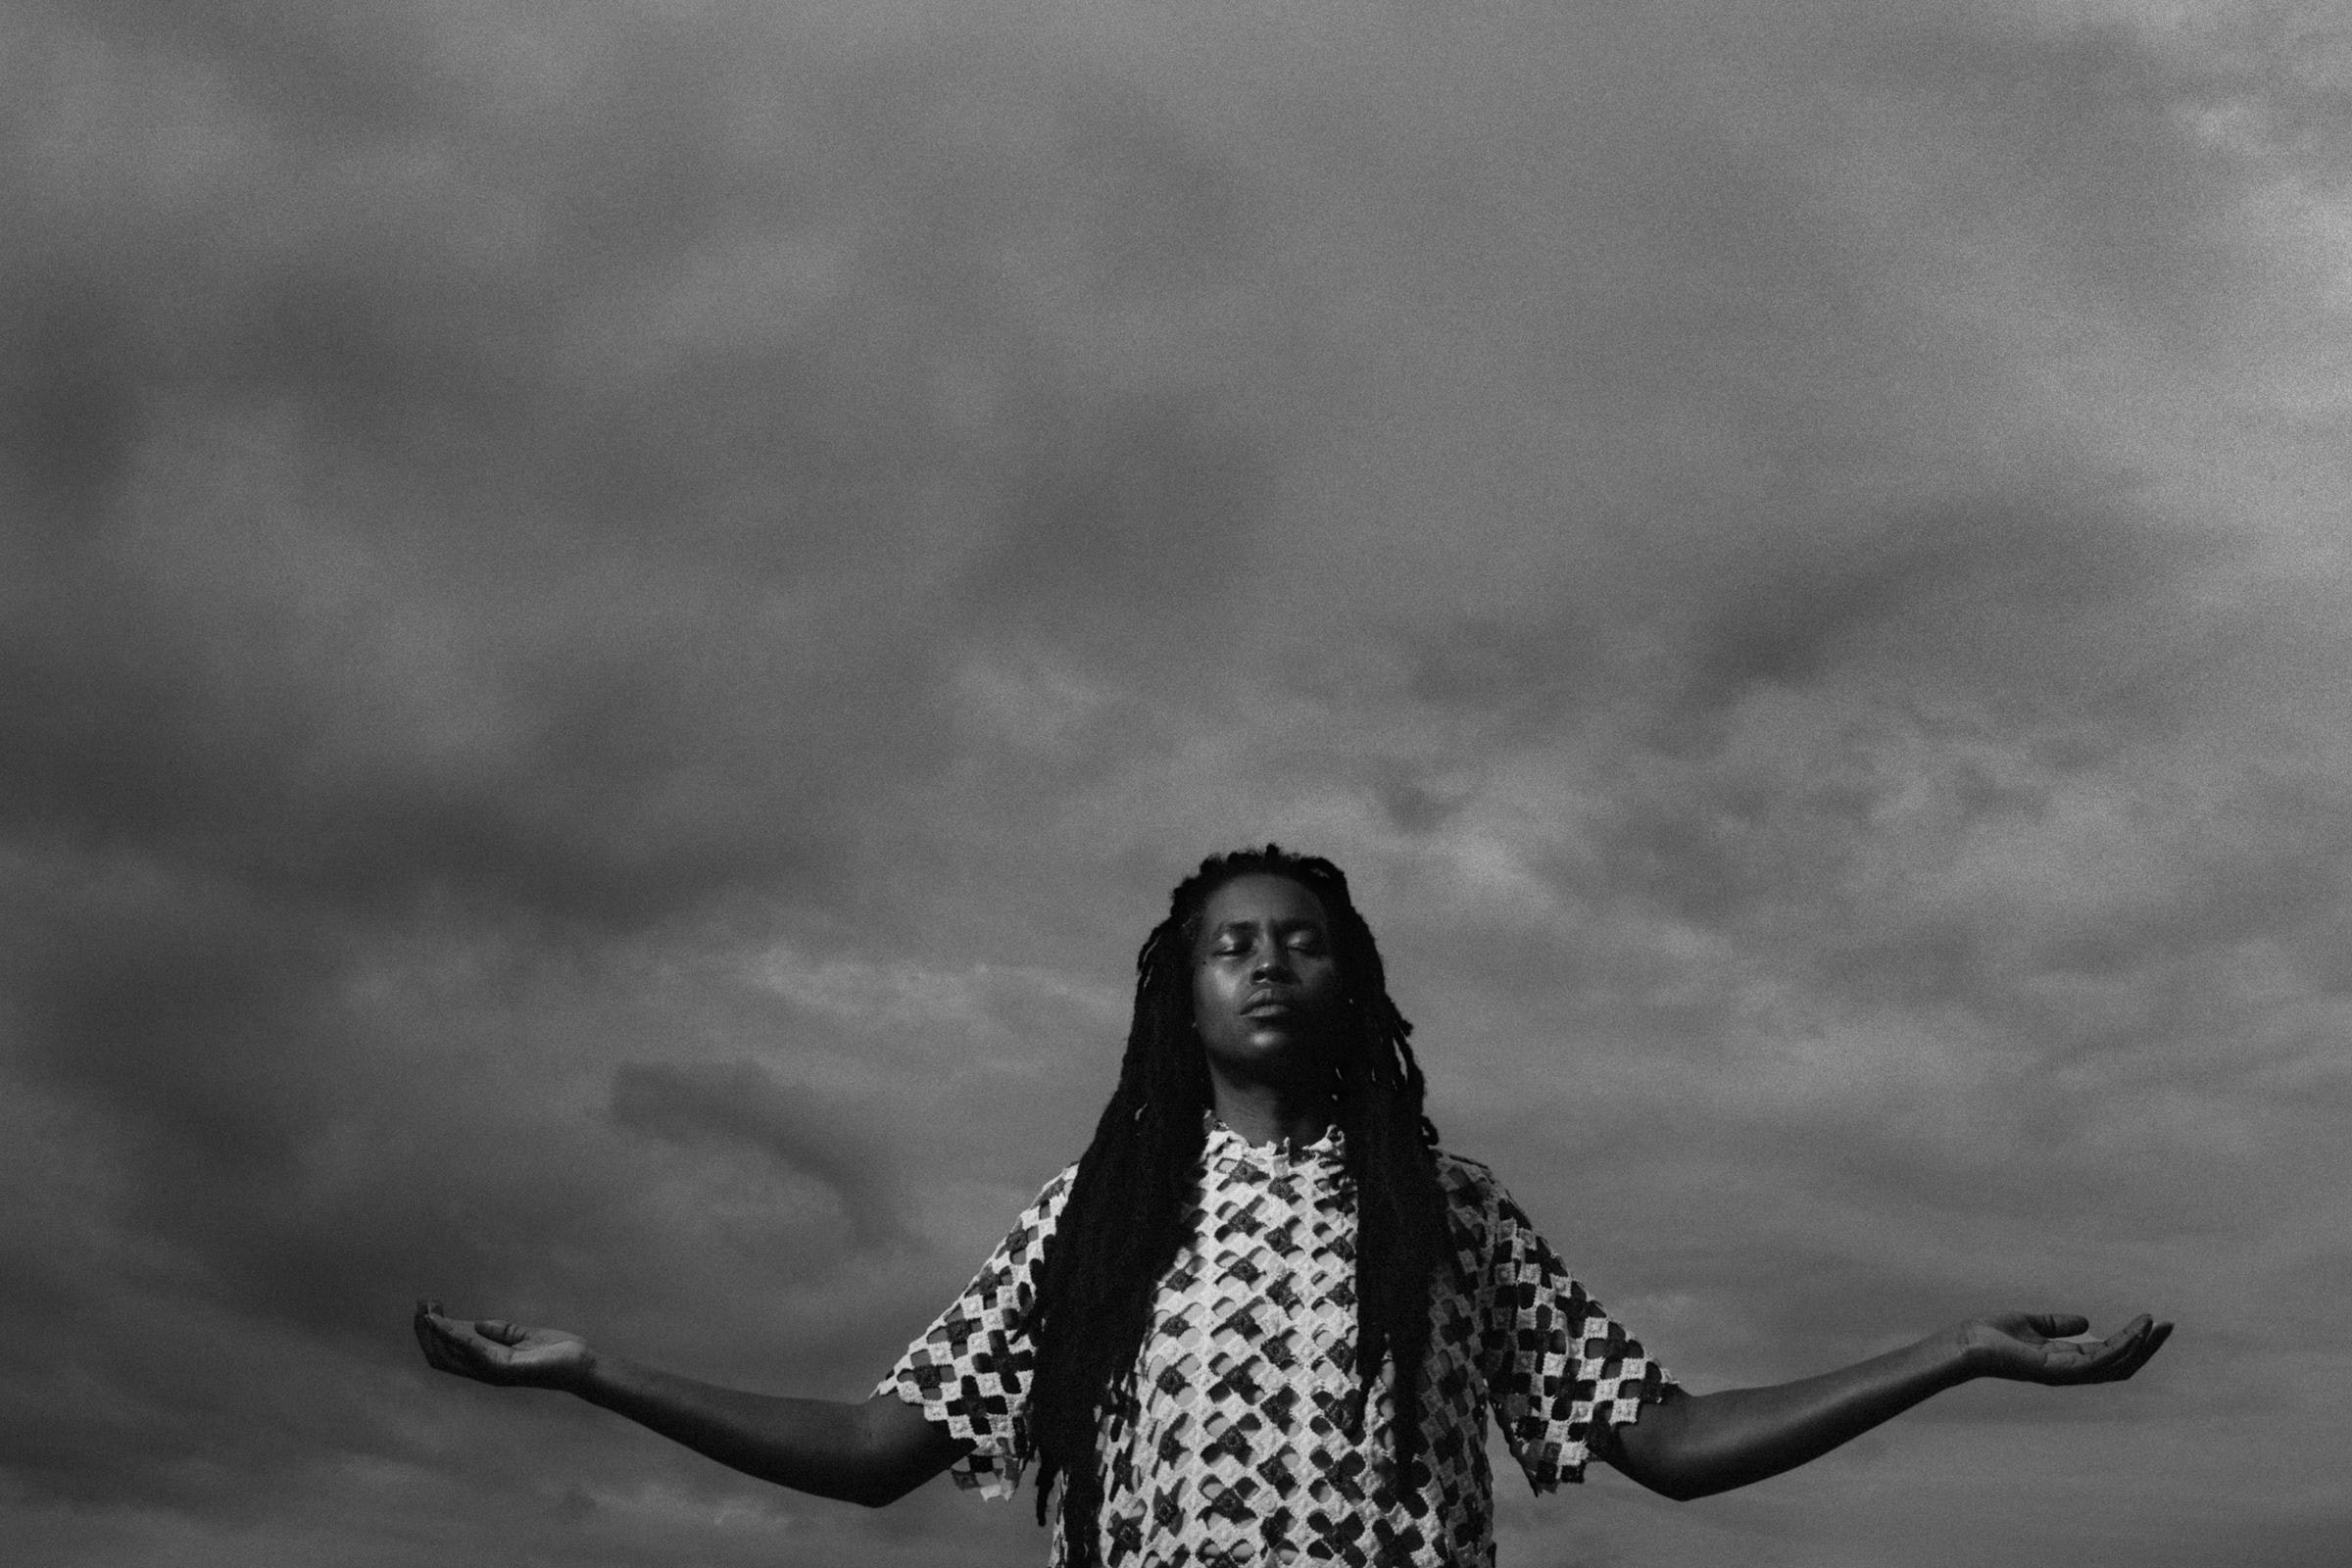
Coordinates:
(1123, 1223)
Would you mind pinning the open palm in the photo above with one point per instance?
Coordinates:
(2041, 1348)
(494, 1351)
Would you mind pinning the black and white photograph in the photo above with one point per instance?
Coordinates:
(1203, 784)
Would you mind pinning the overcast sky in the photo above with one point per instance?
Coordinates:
(615, 618)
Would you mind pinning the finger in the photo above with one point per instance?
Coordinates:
(2124, 1366)
(2056, 1325)
(453, 1331)
(2119, 1355)
(443, 1347)
(2148, 1344)
(439, 1356)
(2125, 1343)
(2115, 1363)
(501, 1330)
(433, 1332)
(2101, 1359)
(2120, 1340)
(464, 1348)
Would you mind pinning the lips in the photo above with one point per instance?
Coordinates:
(1268, 1007)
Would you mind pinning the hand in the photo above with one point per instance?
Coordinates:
(500, 1352)
(2039, 1348)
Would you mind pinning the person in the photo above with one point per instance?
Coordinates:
(1266, 1317)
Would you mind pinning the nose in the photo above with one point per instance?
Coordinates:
(1270, 961)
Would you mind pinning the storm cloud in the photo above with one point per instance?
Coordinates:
(614, 621)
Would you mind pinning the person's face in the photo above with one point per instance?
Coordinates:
(1266, 986)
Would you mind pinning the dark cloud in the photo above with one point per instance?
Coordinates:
(139, 981)
(611, 624)
(1134, 518)
(1515, 668)
(800, 1132)
(551, 565)
(74, 415)
(1930, 586)
(339, 65)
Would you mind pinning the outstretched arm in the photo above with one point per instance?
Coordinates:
(1696, 1444)
(871, 1454)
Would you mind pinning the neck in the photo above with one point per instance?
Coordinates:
(1269, 1113)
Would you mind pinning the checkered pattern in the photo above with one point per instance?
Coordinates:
(1229, 1446)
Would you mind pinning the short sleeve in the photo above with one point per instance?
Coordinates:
(969, 1372)
(1556, 1365)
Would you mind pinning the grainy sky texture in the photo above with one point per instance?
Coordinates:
(616, 617)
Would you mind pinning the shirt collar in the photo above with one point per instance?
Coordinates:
(1229, 1151)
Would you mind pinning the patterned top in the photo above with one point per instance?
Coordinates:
(1229, 1446)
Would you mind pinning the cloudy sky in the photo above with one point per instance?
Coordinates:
(615, 617)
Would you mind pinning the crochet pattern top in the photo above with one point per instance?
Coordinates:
(1230, 1443)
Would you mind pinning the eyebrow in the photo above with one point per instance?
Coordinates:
(1293, 922)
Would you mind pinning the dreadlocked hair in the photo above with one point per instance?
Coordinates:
(1124, 1221)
